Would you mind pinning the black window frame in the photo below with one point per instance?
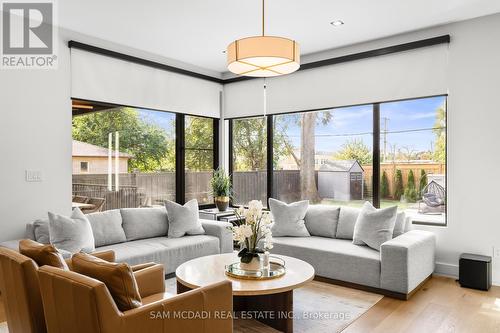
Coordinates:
(375, 151)
(180, 154)
(180, 140)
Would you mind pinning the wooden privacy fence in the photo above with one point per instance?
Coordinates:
(405, 167)
(252, 185)
(127, 196)
(136, 188)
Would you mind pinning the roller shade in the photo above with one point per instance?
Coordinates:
(415, 73)
(100, 78)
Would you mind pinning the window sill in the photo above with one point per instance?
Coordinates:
(416, 218)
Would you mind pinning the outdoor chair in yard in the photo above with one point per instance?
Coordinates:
(80, 199)
(98, 205)
(433, 199)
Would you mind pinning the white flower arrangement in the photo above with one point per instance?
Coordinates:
(253, 225)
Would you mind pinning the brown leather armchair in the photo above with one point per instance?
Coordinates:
(79, 304)
(20, 289)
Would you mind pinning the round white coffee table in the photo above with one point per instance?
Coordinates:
(273, 297)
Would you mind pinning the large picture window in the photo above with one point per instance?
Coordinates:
(129, 157)
(388, 153)
(199, 158)
(249, 160)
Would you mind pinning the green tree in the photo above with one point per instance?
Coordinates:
(355, 149)
(440, 132)
(152, 148)
(199, 144)
(398, 185)
(410, 191)
(422, 182)
(384, 186)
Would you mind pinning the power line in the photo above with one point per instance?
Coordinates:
(370, 133)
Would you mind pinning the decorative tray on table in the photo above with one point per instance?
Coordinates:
(275, 270)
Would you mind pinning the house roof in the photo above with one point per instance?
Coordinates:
(339, 165)
(89, 150)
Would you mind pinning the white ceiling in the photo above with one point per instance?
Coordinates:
(197, 31)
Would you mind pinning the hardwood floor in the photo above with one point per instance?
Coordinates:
(440, 306)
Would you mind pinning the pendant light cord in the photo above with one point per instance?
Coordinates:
(263, 15)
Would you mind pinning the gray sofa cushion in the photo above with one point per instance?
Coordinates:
(288, 218)
(333, 258)
(321, 220)
(374, 226)
(400, 225)
(140, 223)
(71, 233)
(171, 252)
(347, 221)
(41, 231)
(107, 227)
(183, 219)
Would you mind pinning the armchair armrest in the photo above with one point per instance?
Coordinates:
(407, 260)
(215, 302)
(220, 230)
(108, 255)
(150, 278)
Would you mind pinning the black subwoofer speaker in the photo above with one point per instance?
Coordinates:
(474, 271)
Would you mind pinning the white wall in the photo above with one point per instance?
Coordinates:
(35, 134)
(473, 118)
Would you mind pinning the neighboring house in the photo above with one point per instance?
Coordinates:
(288, 162)
(341, 180)
(88, 158)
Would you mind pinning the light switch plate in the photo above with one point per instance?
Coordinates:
(33, 176)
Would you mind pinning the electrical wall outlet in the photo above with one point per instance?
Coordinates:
(496, 251)
(33, 176)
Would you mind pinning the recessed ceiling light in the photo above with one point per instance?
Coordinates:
(337, 23)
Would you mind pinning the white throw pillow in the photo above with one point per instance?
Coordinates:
(72, 234)
(183, 220)
(374, 226)
(400, 226)
(289, 218)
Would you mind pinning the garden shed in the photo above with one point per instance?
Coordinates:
(341, 180)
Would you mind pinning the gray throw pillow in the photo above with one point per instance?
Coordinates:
(347, 220)
(374, 226)
(41, 231)
(73, 233)
(321, 220)
(183, 220)
(142, 223)
(400, 225)
(289, 218)
(107, 227)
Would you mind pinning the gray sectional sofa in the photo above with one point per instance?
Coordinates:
(139, 235)
(402, 264)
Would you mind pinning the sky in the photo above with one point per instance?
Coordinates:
(165, 120)
(356, 122)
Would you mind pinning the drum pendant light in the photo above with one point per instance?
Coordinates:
(263, 56)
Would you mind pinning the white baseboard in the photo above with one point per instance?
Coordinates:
(446, 269)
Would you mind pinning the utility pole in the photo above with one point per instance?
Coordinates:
(384, 132)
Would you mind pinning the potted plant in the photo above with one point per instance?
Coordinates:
(221, 189)
(252, 227)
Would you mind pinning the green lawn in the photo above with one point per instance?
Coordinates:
(383, 203)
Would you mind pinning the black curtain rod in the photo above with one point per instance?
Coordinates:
(444, 39)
